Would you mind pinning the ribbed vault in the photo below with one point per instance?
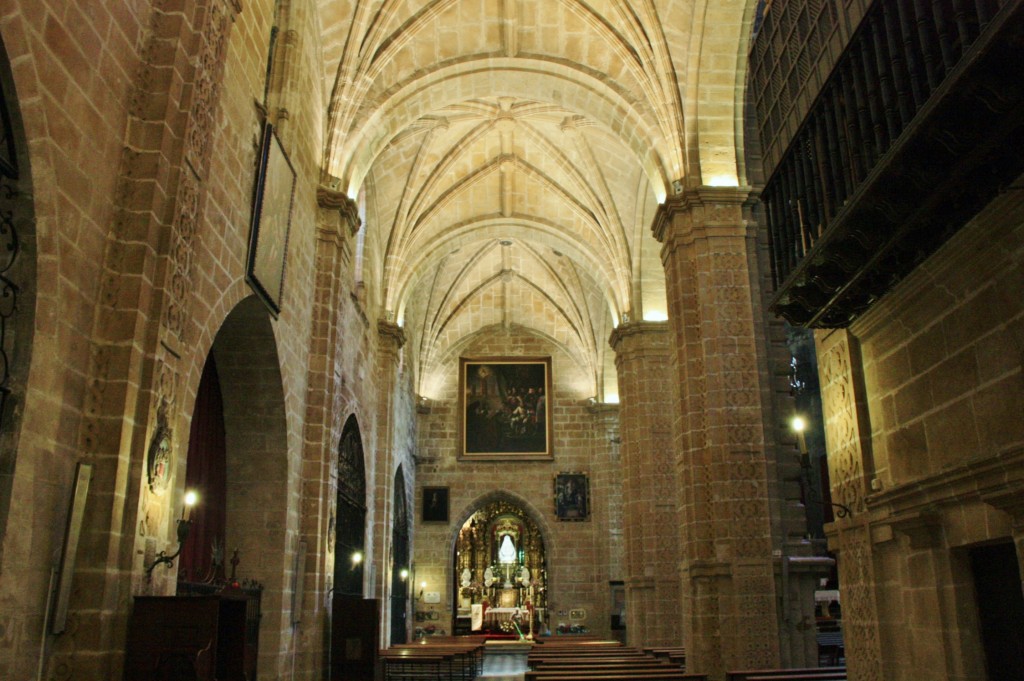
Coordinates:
(509, 157)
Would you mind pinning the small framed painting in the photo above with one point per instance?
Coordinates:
(572, 496)
(435, 505)
(271, 221)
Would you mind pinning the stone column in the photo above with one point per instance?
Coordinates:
(849, 468)
(643, 360)
(728, 574)
(391, 338)
(337, 223)
(135, 374)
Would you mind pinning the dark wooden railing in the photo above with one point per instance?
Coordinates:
(898, 63)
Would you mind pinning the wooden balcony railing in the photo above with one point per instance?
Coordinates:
(917, 127)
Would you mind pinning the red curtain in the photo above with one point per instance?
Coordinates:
(205, 473)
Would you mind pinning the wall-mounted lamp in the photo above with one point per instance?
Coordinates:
(184, 525)
(403, 574)
(357, 558)
(423, 585)
(799, 425)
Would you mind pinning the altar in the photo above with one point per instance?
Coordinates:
(495, 617)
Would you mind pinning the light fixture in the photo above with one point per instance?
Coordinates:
(357, 558)
(403, 574)
(184, 525)
(799, 426)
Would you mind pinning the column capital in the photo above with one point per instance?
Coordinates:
(643, 334)
(332, 199)
(717, 206)
(391, 331)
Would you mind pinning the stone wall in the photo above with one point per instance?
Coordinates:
(580, 558)
(923, 398)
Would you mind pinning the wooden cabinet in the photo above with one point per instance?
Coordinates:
(355, 639)
(187, 638)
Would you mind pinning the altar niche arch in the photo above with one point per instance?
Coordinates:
(350, 527)
(500, 563)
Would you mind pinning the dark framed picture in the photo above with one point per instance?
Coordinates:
(72, 533)
(271, 221)
(503, 408)
(435, 504)
(572, 496)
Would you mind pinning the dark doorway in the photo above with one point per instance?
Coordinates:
(997, 585)
(351, 512)
(399, 563)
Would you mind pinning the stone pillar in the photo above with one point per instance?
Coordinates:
(391, 338)
(135, 375)
(337, 223)
(849, 468)
(643, 360)
(728, 573)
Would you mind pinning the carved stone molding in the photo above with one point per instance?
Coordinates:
(720, 206)
(391, 331)
(332, 199)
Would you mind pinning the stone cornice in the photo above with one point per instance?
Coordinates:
(988, 480)
(332, 199)
(699, 197)
(390, 330)
(653, 335)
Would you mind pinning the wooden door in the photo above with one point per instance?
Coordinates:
(355, 627)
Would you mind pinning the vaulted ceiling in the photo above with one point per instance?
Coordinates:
(509, 157)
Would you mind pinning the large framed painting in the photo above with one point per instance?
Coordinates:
(503, 408)
(271, 221)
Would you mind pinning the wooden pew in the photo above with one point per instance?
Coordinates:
(436, 660)
(675, 654)
(799, 674)
(625, 675)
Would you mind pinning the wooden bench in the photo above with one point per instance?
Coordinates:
(799, 674)
(674, 654)
(624, 675)
(609, 665)
(426, 662)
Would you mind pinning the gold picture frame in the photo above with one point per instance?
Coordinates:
(505, 409)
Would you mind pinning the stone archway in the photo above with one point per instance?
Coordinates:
(350, 532)
(17, 282)
(256, 466)
(399, 563)
(500, 562)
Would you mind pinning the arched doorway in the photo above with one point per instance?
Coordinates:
(355, 620)
(237, 460)
(17, 281)
(351, 512)
(500, 565)
(399, 563)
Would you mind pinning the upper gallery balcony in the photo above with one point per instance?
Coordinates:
(885, 129)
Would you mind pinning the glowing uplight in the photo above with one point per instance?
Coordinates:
(357, 557)
(404, 574)
(798, 424)
(723, 180)
(191, 498)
